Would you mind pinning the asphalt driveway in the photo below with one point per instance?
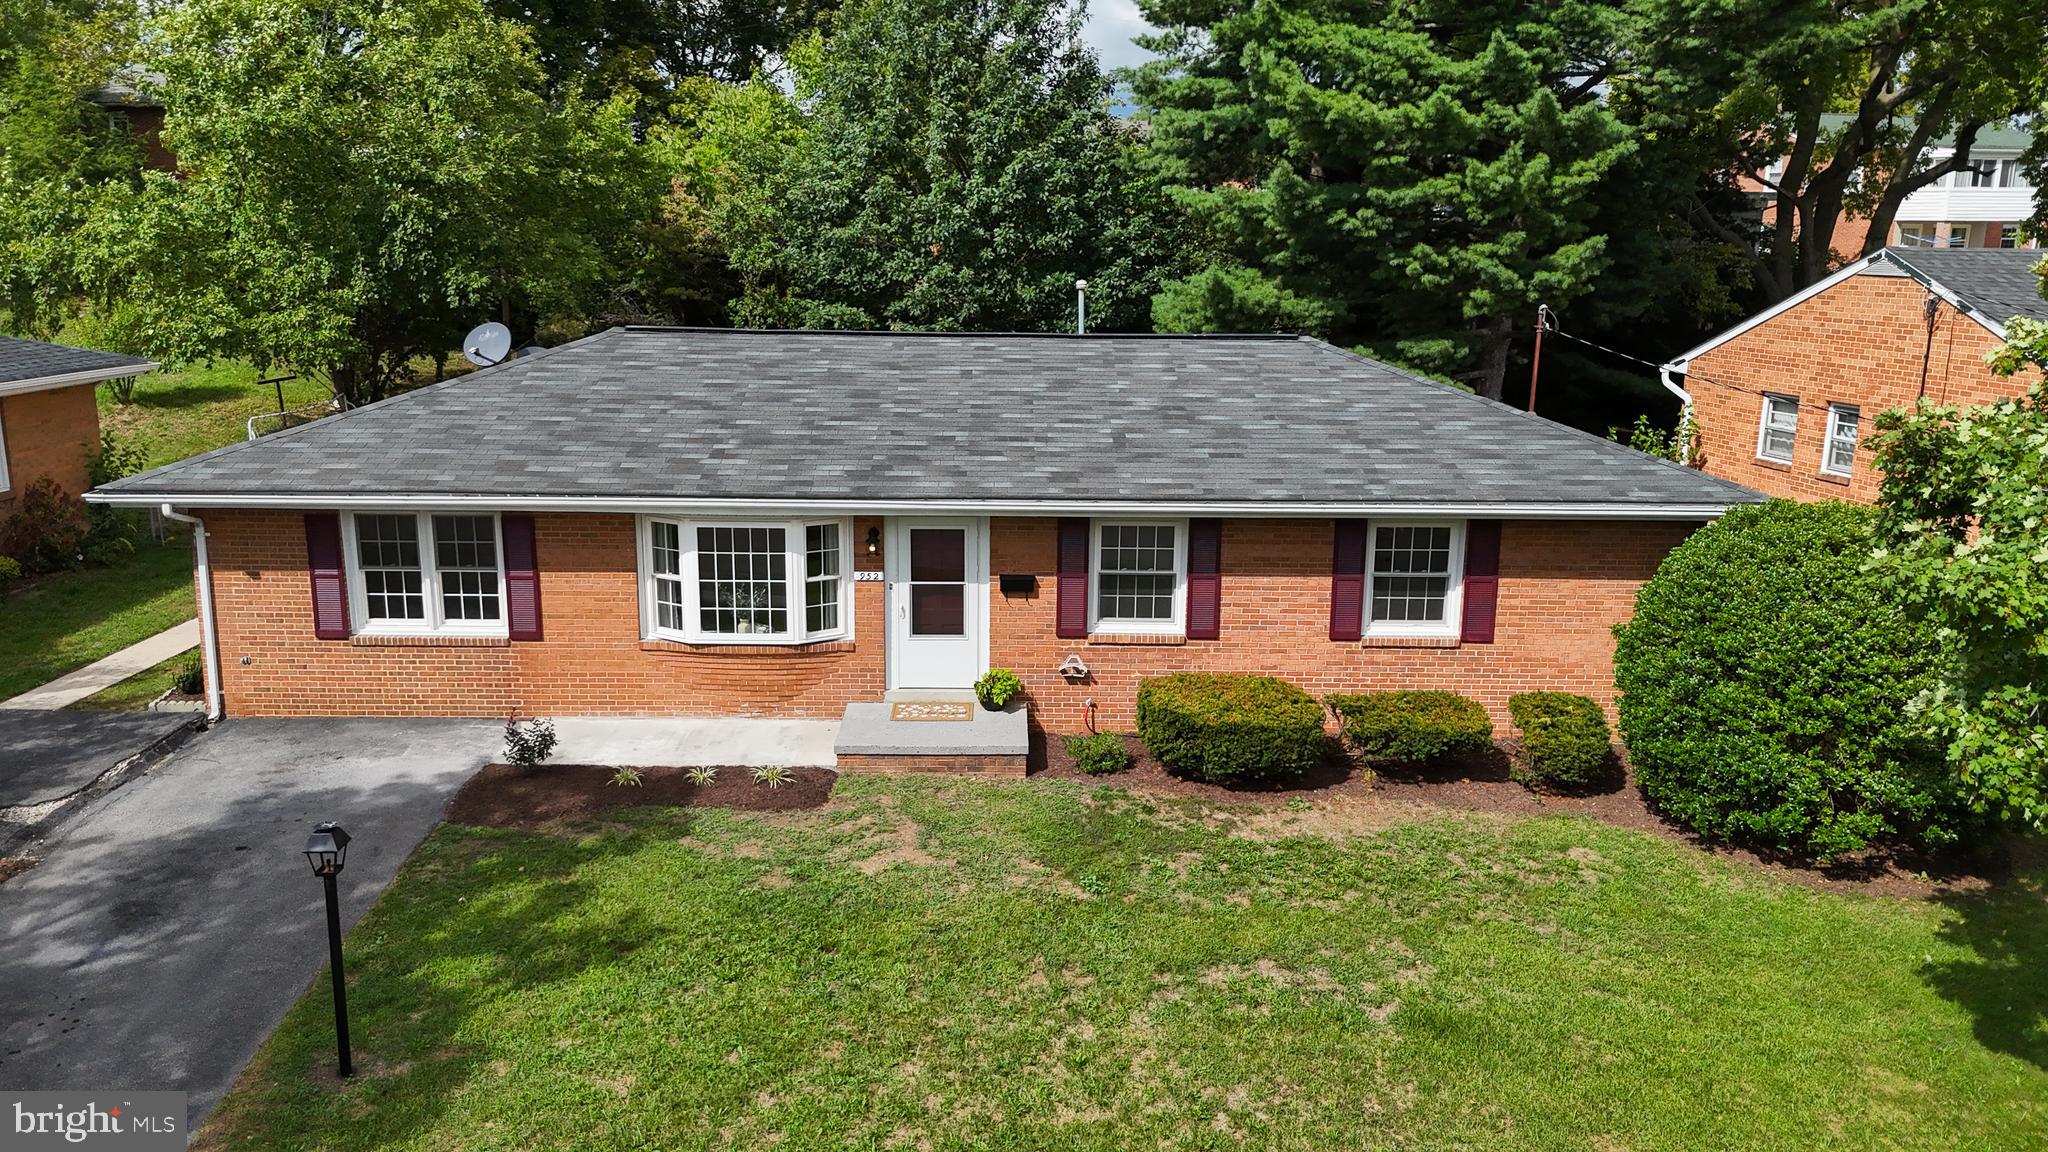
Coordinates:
(172, 923)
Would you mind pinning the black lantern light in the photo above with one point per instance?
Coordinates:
(874, 540)
(327, 851)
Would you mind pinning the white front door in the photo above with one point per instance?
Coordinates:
(938, 602)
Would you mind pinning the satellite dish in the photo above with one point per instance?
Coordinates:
(487, 344)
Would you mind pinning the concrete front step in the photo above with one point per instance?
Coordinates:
(989, 744)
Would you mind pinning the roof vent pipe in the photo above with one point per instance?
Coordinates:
(1080, 307)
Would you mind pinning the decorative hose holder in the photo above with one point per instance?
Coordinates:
(1073, 669)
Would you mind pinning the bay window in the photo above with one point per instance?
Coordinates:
(423, 573)
(753, 582)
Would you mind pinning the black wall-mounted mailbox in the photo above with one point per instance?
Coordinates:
(1026, 585)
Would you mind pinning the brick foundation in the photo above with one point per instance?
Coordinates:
(1563, 585)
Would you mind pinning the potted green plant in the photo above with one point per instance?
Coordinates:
(997, 687)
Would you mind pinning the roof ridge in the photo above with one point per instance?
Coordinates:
(957, 334)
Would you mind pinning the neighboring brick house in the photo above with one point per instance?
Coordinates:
(133, 109)
(1784, 399)
(657, 521)
(49, 417)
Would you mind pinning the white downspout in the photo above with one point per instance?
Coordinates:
(209, 637)
(1684, 398)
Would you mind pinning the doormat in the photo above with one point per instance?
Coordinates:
(932, 710)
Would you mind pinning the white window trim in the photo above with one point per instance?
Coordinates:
(430, 580)
(1115, 626)
(5, 484)
(795, 550)
(1763, 427)
(1453, 622)
(1827, 448)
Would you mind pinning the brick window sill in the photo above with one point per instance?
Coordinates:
(1774, 465)
(379, 641)
(681, 648)
(1410, 642)
(1831, 478)
(1137, 639)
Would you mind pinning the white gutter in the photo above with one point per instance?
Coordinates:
(209, 636)
(89, 376)
(728, 506)
(1664, 372)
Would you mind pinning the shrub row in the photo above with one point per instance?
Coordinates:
(1565, 739)
(1222, 728)
(1412, 727)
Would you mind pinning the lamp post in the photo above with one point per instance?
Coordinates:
(327, 851)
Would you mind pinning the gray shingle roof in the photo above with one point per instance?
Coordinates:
(1999, 282)
(831, 416)
(25, 360)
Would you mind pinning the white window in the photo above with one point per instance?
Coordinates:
(753, 582)
(2011, 175)
(1140, 577)
(1959, 236)
(3, 456)
(1840, 456)
(417, 573)
(1780, 429)
(1414, 578)
(1977, 174)
(2008, 237)
(1917, 235)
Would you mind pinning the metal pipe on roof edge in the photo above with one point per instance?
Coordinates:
(209, 636)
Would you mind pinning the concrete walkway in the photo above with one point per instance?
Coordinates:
(100, 675)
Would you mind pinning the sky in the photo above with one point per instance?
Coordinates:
(1111, 24)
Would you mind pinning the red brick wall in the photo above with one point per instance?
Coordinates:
(1860, 342)
(1563, 586)
(592, 661)
(49, 433)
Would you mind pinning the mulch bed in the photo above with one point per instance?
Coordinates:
(1485, 786)
(501, 796)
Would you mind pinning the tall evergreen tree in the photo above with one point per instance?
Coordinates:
(959, 169)
(1411, 175)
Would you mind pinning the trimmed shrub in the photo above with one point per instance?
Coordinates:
(1565, 741)
(10, 570)
(1768, 682)
(1099, 754)
(48, 530)
(1412, 727)
(1227, 729)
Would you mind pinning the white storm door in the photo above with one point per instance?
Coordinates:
(938, 602)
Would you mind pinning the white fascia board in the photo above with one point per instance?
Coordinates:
(1680, 362)
(89, 376)
(736, 507)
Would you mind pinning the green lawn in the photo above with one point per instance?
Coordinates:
(180, 414)
(138, 692)
(53, 624)
(951, 964)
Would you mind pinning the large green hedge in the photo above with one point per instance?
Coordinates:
(1412, 727)
(1767, 682)
(1228, 729)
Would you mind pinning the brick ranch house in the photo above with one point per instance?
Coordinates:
(1784, 399)
(49, 417)
(693, 522)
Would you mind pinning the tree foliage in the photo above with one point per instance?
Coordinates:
(958, 168)
(1964, 532)
(361, 182)
(1852, 98)
(1413, 175)
(1766, 683)
(655, 48)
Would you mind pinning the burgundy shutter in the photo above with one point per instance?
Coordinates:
(1482, 580)
(330, 586)
(522, 579)
(1205, 579)
(1347, 581)
(1072, 592)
